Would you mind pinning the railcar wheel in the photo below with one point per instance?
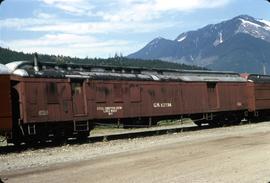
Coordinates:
(215, 124)
(236, 121)
(154, 123)
(17, 142)
(59, 136)
(83, 135)
(59, 139)
(31, 141)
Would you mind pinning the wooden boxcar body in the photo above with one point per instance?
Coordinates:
(5, 106)
(258, 95)
(67, 101)
(50, 100)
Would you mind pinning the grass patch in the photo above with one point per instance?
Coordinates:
(113, 128)
(174, 122)
(3, 141)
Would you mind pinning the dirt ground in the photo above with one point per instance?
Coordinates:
(232, 154)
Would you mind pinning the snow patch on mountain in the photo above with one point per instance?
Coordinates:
(256, 24)
(267, 23)
(219, 40)
(246, 23)
(208, 45)
(182, 38)
(256, 28)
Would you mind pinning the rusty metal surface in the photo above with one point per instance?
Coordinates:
(149, 99)
(261, 96)
(45, 100)
(232, 96)
(50, 100)
(79, 93)
(5, 107)
(257, 91)
(250, 93)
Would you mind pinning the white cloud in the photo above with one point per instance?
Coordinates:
(71, 44)
(21, 23)
(80, 34)
(132, 10)
(100, 27)
(42, 15)
(78, 7)
(74, 27)
(167, 5)
(75, 38)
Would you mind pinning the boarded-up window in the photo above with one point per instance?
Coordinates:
(78, 97)
(52, 93)
(212, 95)
(118, 92)
(135, 94)
(101, 93)
(211, 87)
(76, 89)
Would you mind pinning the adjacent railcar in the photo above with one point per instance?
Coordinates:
(5, 98)
(258, 96)
(5, 108)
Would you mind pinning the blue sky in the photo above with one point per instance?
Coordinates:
(101, 28)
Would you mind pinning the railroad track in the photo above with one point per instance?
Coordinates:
(145, 133)
(107, 137)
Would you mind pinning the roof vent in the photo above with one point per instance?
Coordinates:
(36, 68)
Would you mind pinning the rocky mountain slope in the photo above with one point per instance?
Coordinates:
(241, 44)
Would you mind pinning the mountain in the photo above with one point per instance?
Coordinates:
(241, 44)
(7, 55)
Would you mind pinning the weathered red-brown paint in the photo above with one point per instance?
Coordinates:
(108, 99)
(5, 107)
(258, 94)
(259, 97)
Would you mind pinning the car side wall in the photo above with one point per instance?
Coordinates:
(5, 107)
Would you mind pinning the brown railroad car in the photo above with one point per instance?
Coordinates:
(258, 96)
(67, 101)
(5, 108)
